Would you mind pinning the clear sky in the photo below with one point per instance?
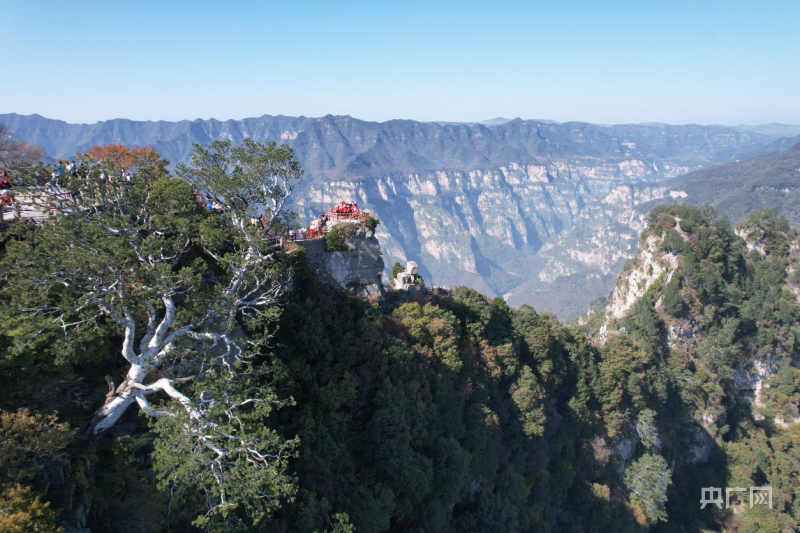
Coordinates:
(704, 61)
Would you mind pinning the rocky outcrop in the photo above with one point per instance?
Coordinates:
(623, 448)
(793, 271)
(359, 270)
(750, 242)
(751, 380)
(649, 266)
(408, 279)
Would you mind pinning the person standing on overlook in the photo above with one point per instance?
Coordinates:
(5, 182)
(53, 183)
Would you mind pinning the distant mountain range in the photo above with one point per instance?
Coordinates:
(769, 181)
(528, 209)
(490, 122)
(773, 130)
(348, 146)
(778, 145)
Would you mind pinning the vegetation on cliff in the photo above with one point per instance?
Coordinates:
(295, 408)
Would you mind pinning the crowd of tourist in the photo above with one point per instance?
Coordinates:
(64, 173)
(317, 228)
(60, 181)
(346, 209)
(6, 196)
(314, 230)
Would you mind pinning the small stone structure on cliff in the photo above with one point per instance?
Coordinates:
(408, 279)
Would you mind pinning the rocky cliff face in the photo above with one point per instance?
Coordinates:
(527, 232)
(700, 328)
(528, 210)
(359, 269)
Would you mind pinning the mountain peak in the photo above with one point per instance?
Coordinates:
(495, 121)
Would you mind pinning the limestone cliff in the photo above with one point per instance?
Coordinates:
(360, 269)
(725, 300)
(521, 231)
(524, 209)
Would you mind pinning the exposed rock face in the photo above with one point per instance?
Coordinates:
(701, 448)
(360, 269)
(654, 268)
(624, 449)
(650, 264)
(751, 381)
(524, 209)
(752, 244)
(518, 231)
(407, 279)
(792, 276)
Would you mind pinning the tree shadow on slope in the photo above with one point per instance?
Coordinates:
(434, 419)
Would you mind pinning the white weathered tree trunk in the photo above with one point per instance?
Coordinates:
(111, 411)
(161, 335)
(156, 343)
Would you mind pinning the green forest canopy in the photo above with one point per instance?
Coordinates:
(441, 414)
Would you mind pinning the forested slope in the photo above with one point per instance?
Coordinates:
(442, 413)
(769, 181)
(465, 415)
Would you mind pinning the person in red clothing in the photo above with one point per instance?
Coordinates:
(5, 200)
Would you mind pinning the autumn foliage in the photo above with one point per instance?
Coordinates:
(23, 511)
(124, 157)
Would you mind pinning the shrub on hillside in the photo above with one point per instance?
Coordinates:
(671, 298)
(336, 238)
(371, 223)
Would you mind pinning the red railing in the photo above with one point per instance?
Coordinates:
(333, 215)
(309, 235)
(358, 215)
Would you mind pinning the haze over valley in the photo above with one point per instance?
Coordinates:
(451, 267)
(524, 209)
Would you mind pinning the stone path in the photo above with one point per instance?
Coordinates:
(36, 208)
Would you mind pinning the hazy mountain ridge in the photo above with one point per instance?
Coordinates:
(774, 129)
(335, 142)
(526, 209)
(778, 145)
(770, 181)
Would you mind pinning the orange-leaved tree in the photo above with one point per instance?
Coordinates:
(124, 157)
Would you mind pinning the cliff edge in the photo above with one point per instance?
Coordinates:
(358, 270)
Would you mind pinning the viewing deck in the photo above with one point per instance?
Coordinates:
(360, 216)
(328, 219)
(33, 203)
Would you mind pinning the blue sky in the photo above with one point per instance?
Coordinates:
(704, 61)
